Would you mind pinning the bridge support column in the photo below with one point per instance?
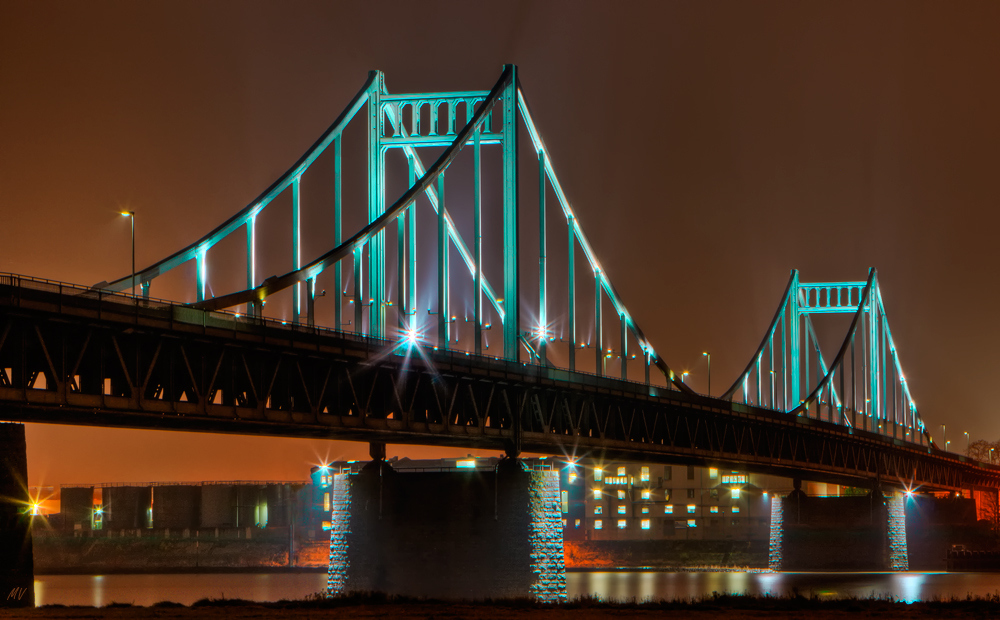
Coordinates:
(865, 532)
(459, 534)
(16, 559)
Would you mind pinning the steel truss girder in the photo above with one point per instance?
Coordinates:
(121, 364)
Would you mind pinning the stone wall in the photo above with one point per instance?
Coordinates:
(452, 535)
(833, 533)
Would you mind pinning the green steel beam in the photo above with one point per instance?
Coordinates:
(442, 279)
(376, 207)
(296, 247)
(511, 245)
(477, 224)
(338, 184)
(571, 298)
(543, 320)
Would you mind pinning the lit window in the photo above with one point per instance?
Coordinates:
(691, 508)
(597, 494)
(598, 510)
(326, 525)
(576, 523)
(621, 524)
(326, 502)
(598, 524)
(644, 474)
(714, 510)
(621, 510)
(466, 464)
(565, 501)
(646, 494)
(713, 473)
(736, 509)
(621, 471)
(736, 493)
(598, 474)
(621, 494)
(565, 523)
(668, 509)
(572, 477)
(645, 524)
(691, 523)
(645, 510)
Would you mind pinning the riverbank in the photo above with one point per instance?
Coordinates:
(732, 607)
(88, 555)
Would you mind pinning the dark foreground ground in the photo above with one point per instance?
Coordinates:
(717, 608)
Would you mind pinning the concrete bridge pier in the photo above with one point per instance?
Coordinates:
(16, 560)
(858, 533)
(455, 534)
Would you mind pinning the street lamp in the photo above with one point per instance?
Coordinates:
(966, 443)
(684, 376)
(944, 436)
(709, 356)
(131, 216)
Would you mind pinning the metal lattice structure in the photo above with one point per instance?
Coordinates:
(411, 122)
(863, 387)
(98, 356)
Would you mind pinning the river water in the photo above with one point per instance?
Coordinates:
(99, 590)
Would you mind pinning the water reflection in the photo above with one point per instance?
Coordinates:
(907, 587)
(99, 590)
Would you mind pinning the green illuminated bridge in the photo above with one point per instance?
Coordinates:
(520, 367)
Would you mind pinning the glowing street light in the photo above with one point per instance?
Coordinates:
(131, 216)
(684, 376)
(709, 356)
(966, 442)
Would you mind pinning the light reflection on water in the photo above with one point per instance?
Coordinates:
(907, 587)
(99, 590)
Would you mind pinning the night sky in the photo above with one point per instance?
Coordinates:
(707, 149)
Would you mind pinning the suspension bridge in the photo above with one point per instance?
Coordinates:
(457, 336)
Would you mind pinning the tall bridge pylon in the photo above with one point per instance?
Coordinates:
(863, 387)
(416, 124)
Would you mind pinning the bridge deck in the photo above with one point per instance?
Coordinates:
(81, 356)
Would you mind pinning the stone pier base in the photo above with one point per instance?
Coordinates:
(16, 565)
(857, 533)
(453, 535)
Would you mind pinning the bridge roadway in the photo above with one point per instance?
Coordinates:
(72, 355)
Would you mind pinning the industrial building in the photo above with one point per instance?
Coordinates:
(606, 500)
(600, 500)
(130, 508)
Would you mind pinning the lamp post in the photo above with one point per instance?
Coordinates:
(709, 356)
(684, 376)
(967, 443)
(131, 216)
(944, 436)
